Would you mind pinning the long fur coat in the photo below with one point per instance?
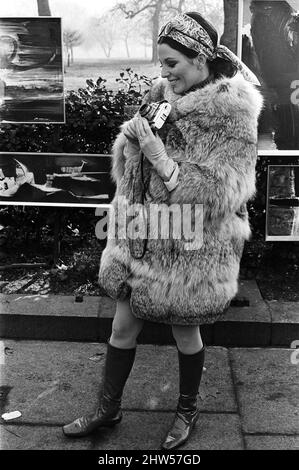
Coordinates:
(212, 134)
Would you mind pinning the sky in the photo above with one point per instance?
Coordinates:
(29, 7)
(75, 15)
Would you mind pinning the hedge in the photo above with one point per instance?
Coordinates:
(94, 114)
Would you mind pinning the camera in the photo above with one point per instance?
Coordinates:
(155, 113)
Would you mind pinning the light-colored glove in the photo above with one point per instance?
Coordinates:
(129, 129)
(132, 147)
(153, 148)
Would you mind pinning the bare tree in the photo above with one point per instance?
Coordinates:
(230, 33)
(126, 36)
(106, 32)
(71, 39)
(43, 8)
(211, 10)
(155, 8)
(127, 29)
(145, 35)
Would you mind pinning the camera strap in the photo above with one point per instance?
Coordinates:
(137, 246)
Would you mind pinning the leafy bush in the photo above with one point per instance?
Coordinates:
(93, 117)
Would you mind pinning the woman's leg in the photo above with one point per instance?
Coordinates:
(120, 357)
(125, 327)
(191, 360)
(188, 338)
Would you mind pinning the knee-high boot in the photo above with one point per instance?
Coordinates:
(190, 370)
(118, 366)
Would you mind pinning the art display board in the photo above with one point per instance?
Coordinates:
(55, 179)
(281, 183)
(282, 218)
(31, 70)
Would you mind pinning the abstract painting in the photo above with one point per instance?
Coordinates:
(282, 216)
(31, 70)
(55, 179)
(270, 48)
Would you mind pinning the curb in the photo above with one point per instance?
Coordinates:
(61, 318)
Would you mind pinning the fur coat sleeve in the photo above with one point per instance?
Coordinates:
(223, 184)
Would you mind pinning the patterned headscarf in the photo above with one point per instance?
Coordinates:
(188, 32)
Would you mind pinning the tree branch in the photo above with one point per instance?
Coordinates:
(43, 8)
(130, 13)
(177, 8)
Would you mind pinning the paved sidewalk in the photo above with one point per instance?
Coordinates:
(249, 397)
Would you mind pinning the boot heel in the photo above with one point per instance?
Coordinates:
(87, 424)
(112, 423)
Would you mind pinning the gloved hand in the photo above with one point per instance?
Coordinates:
(129, 129)
(153, 148)
(132, 147)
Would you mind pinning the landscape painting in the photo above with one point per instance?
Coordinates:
(282, 215)
(55, 179)
(31, 70)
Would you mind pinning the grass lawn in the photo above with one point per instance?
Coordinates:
(75, 76)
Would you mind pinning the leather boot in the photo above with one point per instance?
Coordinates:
(118, 366)
(190, 369)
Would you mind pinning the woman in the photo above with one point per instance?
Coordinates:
(207, 157)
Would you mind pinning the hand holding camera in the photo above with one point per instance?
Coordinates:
(132, 147)
(150, 143)
(156, 115)
(130, 129)
(151, 117)
(153, 148)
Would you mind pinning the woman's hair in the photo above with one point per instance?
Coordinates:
(216, 66)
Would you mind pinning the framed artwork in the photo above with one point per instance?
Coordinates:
(31, 70)
(44, 179)
(270, 48)
(282, 211)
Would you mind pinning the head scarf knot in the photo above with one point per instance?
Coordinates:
(188, 32)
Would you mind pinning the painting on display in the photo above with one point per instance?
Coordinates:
(282, 214)
(270, 47)
(31, 70)
(55, 179)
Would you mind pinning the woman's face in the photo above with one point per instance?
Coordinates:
(181, 72)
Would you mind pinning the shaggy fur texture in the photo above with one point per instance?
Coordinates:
(212, 134)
